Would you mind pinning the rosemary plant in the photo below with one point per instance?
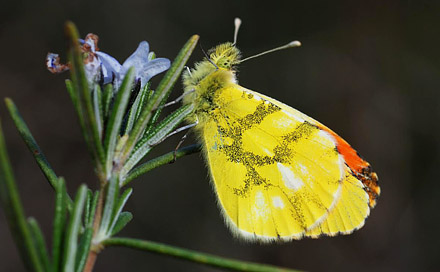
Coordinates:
(118, 112)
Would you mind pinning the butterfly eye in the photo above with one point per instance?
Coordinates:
(224, 63)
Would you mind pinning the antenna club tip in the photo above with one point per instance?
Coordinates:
(294, 44)
(237, 21)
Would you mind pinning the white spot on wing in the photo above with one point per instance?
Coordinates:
(341, 165)
(277, 202)
(261, 209)
(303, 169)
(333, 142)
(283, 122)
(294, 116)
(259, 199)
(326, 136)
(290, 180)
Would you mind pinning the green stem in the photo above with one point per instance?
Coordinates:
(94, 249)
(193, 256)
(159, 161)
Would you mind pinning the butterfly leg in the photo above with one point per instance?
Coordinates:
(178, 146)
(179, 98)
(188, 70)
(175, 132)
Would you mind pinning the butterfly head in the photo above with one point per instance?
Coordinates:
(217, 71)
(225, 56)
(219, 64)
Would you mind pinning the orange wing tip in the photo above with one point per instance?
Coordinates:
(360, 168)
(370, 181)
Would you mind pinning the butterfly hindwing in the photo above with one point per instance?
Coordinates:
(277, 174)
(357, 166)
(360, 184)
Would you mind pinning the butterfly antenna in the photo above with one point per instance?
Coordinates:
(207, 57)
(289, 45)
(237, 23)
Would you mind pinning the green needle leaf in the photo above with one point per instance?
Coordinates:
(110, 202)
(159, 95)
(83, 97)
(154, 118)
(146, 95)
(157, 135)
(118, 209)
(97, 108)
(93, 209)
(74, 98)
(40, 244)
(159, 161)
(89, 211)
(71, 243)
(86, 238)
(123, 219)
(83, 248)
(59, 224)
(116, 117)
(107, 99)
(87, 208)
(33, 147)
(135, 108)
(193, 256)
(14, 211)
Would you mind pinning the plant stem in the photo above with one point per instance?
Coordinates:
(91, 259)
(193, 256)
(94, 249)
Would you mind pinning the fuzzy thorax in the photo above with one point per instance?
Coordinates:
(209, 76)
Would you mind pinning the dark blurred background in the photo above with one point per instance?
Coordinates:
(370, 71)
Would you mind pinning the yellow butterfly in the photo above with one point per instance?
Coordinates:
(278, 174)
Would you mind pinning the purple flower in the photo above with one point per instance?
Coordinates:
(101, 67)
(53, 64)
(145, 67)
